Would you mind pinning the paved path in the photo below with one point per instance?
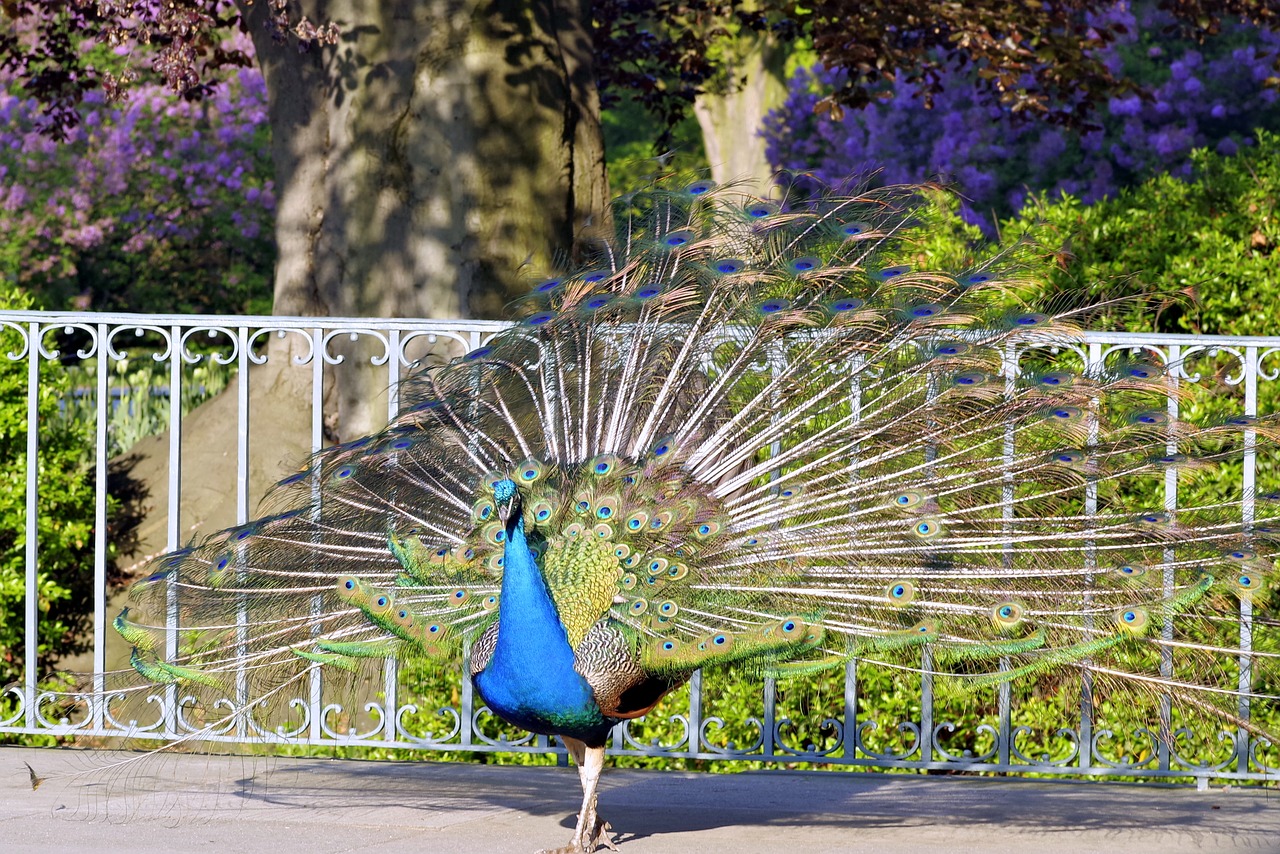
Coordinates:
(187, 803)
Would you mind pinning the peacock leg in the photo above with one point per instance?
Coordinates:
(592, 832)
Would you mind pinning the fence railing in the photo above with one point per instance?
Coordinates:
(845, 728)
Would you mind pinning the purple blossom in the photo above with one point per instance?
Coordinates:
(1212, 96)
(148, 176)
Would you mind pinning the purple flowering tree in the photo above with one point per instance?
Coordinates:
(156, 203)
(419, 151)
(1192, 96)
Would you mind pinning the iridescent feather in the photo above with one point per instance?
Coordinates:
(743, 432)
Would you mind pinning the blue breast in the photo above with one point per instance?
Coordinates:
(530, 680)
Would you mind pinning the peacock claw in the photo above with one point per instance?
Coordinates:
(601, 838)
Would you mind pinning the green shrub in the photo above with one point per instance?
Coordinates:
(65, 517)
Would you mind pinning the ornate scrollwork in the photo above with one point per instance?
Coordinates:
(429, 739)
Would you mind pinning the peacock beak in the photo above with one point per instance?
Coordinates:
(505, 508)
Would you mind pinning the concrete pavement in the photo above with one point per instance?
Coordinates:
(179, 803)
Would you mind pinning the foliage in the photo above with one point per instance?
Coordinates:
(42, 48)
(64, 518)
(158, 205)
(1033, 57)
(628, 145)
(1196, 95)
(1209, 244)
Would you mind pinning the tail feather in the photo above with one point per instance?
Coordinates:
(776, 425)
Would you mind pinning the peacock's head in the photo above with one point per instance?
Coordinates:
(507, 500)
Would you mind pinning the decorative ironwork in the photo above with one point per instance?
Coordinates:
(843, 732)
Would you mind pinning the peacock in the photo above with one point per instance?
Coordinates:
(742, 430)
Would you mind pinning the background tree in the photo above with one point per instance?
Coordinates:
(1044, 61)
(1193, 93)
(422, 152)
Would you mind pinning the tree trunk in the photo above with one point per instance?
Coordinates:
(732, 112)
(429, 164)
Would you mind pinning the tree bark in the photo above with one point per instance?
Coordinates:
(731, 113)
(429, 164)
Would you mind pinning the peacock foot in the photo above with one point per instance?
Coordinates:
(601, 837)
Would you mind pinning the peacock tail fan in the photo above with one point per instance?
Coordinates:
(748, 433)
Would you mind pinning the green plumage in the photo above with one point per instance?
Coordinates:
(746, 432)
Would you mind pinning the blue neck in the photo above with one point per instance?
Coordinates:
(529, 626)
(530, 679)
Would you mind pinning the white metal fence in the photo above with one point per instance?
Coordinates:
(843, 730)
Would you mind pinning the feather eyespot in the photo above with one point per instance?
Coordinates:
(969, 379)
(901, 593)
(1063, 413)
(603, 464)
(530, 470)
(1133, 620)
(1007, 615)
(926, 529)
(926, 310)
(677, 239)
(1150, 418)
(1028, 320)
(907, 500)
(1131, 570)
(951, 348)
